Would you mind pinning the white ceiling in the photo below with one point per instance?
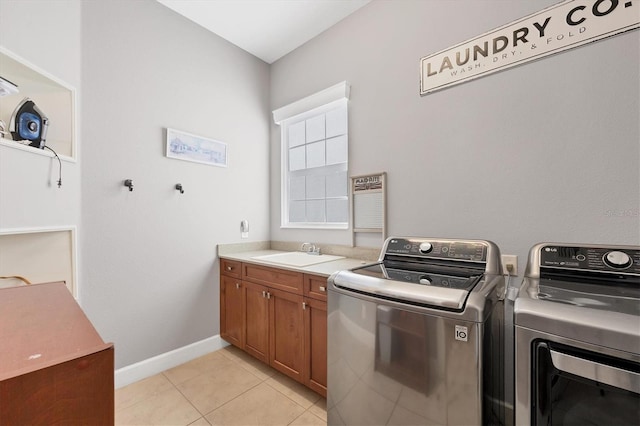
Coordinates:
(268, 29)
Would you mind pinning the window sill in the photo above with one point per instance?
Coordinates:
(339, 226)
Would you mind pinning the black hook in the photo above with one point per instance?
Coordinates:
(129, 184)
(179, 188)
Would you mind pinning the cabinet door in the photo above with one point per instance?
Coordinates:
(315, 329)
(256, 330)
(231, 311)
(286, 349)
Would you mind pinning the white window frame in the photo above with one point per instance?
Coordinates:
(316, 104)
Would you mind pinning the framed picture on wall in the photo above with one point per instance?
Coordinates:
(198, 149)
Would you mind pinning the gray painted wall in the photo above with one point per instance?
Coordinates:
(29, 197)
(547, 151)
(149, 272)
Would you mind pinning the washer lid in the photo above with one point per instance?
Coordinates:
(427, 287)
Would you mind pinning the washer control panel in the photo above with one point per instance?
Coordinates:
(625, 260)
(474, 251)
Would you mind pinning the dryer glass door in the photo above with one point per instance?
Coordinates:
(578, 387)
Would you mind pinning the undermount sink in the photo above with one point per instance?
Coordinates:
(297, 258)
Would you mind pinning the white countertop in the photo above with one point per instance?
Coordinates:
(323, 269)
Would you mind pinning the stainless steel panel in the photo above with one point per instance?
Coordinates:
(605, 328)
(389, 365)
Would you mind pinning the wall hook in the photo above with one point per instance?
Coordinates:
(179, 188)
(129, 184)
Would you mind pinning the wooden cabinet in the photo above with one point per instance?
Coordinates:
(256, 321)
(54, 367)
(283, 316)
(286, 332)
(315, 331)
(231, 310)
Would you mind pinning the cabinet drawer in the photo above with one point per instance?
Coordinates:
(273, 277)
(315, 287)
(232, 268)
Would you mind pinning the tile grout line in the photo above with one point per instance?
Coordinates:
(291, 399)
(148, 396)
(240, 361)
(302, 414)
(185, 397)
(263, 378)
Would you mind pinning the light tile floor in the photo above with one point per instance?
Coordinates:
(226, 387)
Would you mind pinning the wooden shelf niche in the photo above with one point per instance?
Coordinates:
(55, 98)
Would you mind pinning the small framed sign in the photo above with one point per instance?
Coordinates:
(368, 204)
(198, 149)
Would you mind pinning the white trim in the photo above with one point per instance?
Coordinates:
(284, 161)
(24, 147)
(157, 364)
(334, 93)
(312, 225)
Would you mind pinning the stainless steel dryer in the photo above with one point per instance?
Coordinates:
(577, 336)
(417, 338)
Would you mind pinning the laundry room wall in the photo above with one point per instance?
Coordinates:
(150, 273)
(546, 151)
(30, 197)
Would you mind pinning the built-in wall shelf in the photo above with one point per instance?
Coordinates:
(39, 255)
(55, 98)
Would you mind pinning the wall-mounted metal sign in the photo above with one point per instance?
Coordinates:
(368, 204)
(569, 24)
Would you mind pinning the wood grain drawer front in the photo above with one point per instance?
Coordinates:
(231, 268)
(273, 277)
(315, 287)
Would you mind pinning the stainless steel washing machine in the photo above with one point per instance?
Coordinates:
(417, 337)
(577, 336)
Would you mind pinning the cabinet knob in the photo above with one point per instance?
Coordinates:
(268, 295)
(237, 285)
(322, 288)
(304, 305)
(264, 293)
(229, 268)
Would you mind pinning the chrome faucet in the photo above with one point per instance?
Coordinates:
(310, 249)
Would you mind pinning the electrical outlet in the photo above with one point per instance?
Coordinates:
(509, 259)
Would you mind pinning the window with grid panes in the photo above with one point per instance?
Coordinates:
(315, 180)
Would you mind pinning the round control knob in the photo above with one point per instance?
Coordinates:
(617, 259)
(425, 280)
(425, 248)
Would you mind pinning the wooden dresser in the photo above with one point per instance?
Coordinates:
(54, 367)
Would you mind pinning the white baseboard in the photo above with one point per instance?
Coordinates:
(149, 367)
